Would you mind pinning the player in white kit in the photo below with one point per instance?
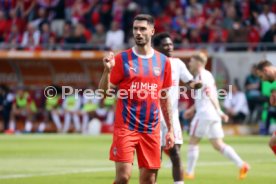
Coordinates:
(207, 119)
(163, 43)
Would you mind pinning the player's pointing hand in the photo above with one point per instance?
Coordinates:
(109, 61)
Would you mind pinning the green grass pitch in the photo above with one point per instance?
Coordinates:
(76, 159)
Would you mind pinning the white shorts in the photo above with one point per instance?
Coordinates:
(210, 128)
(177, 131)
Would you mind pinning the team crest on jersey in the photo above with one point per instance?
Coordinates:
(115, 151)
(156, 71)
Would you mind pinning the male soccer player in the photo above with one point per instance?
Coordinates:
(267, 72)
(207, 120)
(141, 72)
(163, 43)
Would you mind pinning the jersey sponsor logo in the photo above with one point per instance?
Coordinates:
(143, 86)
(114, 151)
(156, 71)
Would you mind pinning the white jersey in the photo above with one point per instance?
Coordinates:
(204, 107)
(179, 72)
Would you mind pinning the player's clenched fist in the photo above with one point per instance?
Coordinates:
(109, 61)
(224, 118)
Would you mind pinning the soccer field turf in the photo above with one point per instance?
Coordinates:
(76, 159)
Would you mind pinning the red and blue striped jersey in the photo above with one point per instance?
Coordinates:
(139, 80)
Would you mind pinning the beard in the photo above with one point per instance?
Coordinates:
(142, 42)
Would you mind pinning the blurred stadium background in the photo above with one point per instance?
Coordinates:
(62, 42)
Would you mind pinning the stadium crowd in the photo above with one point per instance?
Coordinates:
(106, 24)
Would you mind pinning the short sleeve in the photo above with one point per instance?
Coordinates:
(167, 82)
(185, 75)
(208, 83)
(116, 75)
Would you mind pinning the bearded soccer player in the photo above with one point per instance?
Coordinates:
(164, 44)
(141, 72)
(267, 72)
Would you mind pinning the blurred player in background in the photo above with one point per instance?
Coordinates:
(39, 102)
(23, 106)
(90, 105)
(163, 43)
(140, 71)
(53, 109)
(207, 119)
(71, 106)
(267, 72)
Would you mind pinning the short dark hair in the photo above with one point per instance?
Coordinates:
(159, 37)
(145, 17)
(262, 64)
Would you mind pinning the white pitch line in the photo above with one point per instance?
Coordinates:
(105, 169)
(203, 164)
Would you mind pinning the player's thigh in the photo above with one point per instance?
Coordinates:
(123, 171)
(14, 112)
(21, 112)
(194, 140)
(199, 127)
(123, 145)
(215, 130)
(148, 176)
(149, 151)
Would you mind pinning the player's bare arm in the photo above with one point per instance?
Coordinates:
(216, 105)
(189, 113)
(166, 108)
(194, 84)
(109, 63)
